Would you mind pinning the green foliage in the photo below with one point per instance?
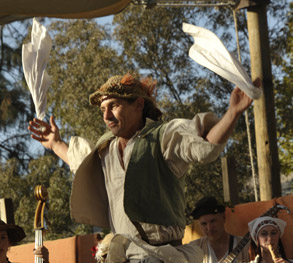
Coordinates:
(10, 181)
(157, 46)
(282, 58)
(14, 99)
(12, 105)
(81, 61)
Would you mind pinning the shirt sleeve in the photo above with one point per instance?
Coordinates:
(183, 143)
(78, 149)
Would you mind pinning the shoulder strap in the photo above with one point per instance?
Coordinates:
(141, 231)
(231, 241)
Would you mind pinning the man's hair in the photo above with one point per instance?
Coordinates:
(149, 110)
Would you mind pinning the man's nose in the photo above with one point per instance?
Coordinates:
(209, 226)
(108, 114)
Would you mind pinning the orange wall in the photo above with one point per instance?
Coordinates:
(77, 249)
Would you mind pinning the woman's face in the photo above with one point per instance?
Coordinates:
(4, 245)
(269, 235)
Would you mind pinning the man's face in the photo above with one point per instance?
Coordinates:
(212, 225)
(123, 118)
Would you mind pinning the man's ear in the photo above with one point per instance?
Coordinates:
(140, 103)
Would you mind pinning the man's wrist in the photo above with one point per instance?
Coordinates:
(233, 114)
(56, 145)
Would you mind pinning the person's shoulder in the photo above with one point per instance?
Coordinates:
(198, 241)
(238, 237)
(106, 136)
(151, 127)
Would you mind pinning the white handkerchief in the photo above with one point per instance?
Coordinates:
(35, 56)
(209, 51)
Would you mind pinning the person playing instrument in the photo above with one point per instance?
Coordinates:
(10, 234)
(134, 176)
(266, 233)
(217, 243)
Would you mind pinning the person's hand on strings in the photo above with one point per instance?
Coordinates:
(42, 252)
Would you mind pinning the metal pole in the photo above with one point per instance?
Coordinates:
(264, 110)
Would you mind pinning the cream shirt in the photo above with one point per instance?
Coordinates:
(210, 255)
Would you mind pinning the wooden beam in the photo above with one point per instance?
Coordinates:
(264, 109)
(230, 182)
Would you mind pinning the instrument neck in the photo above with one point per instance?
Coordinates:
(38, 243)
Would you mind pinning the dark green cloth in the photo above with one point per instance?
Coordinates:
(152, 193)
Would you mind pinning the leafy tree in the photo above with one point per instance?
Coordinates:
(14, 109)
(82, 59)
(282, 53)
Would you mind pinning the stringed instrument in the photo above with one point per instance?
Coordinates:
(273, 211)
(40, 223)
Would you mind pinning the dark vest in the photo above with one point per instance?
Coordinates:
(152, 193)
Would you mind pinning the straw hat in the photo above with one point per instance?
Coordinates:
(126, 87)
(15, 233)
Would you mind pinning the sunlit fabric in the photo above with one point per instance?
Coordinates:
(35, 56)
(209, 51)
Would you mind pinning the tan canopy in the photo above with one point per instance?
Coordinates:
(12, 10)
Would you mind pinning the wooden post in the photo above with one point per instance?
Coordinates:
(264, 109)
(230, 183)
(6, 210)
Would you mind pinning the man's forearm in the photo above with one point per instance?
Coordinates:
(60, 148)
(221, 132)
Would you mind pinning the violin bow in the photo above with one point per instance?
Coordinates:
(40, 223)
